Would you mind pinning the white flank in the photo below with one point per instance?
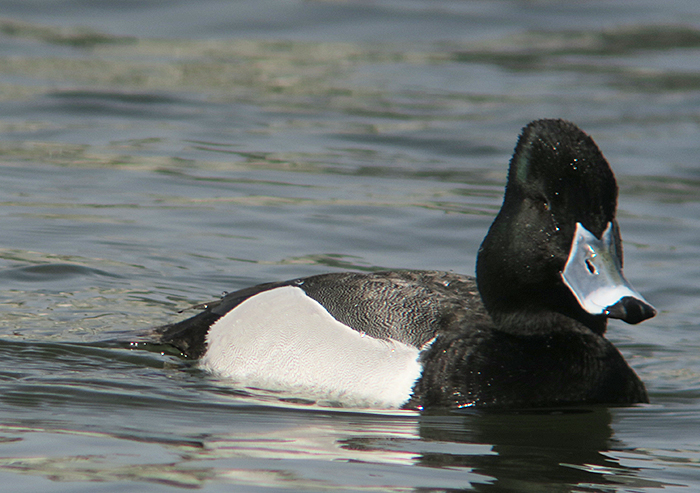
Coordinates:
(282, 339)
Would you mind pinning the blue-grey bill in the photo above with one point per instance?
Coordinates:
(593, 273)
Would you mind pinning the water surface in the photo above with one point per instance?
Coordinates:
(156, 154)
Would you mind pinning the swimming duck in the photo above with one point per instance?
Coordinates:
(527, 332)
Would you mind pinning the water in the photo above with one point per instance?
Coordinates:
(155, 154)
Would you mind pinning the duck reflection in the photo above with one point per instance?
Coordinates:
(530, 451)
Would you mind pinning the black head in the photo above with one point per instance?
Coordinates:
(559, 183)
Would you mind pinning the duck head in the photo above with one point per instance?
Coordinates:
(555, 247)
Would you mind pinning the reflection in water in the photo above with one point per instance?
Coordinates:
(145, 170)
(213, 434)
(557, 448)
(542, 443)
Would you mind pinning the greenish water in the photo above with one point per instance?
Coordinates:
(156, 154)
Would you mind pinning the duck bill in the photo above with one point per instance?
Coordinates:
(593, 273)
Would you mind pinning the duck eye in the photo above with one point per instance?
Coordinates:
(540, 203)
(543, 203)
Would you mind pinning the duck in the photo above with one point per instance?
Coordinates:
(527, 332)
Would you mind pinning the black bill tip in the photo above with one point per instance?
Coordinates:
(631, 310)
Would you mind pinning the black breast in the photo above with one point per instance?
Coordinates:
(485, 367)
